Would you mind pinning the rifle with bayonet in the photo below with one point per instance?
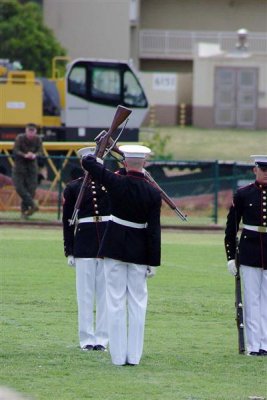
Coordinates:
(239, 304)
(103, 146)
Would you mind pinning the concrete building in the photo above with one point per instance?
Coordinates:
(230, 88)
(162, 38)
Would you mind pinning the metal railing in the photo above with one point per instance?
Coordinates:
(174, 44)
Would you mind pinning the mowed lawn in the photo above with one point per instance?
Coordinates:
(192, 143)
(190, 350)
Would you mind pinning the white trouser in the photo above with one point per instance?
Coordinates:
(126, 308)
(255, 307)
(91, 294)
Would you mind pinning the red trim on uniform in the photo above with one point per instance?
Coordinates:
(136, 174)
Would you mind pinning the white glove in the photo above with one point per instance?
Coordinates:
(99, 160)
(71, 261)
(151, 271)
(232, 267)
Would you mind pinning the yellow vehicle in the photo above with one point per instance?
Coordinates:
(75, 107)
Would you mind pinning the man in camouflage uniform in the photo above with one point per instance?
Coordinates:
(26, 148)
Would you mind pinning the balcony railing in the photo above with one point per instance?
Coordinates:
(178, 45)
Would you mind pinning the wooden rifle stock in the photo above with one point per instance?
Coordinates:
(239, 304)
(103, 139)
(102, 143)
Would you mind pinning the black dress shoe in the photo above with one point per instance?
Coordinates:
(263, 352)
(99, 347)
(88, 347)
(253, 353)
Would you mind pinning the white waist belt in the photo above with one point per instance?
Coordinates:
(95, 218)
(127, 223)
(261, 229)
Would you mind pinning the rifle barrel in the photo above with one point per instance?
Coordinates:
(165, 197)
(239, 304)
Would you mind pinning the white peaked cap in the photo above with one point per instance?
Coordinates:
(260, 160)
(86, 151)
(134, 151)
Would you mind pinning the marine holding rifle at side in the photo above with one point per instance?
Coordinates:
(250, 206)
(131, 250)
(81, 246)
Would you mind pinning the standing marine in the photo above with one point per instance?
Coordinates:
(131, 248)
(81, 246)
(249, 207)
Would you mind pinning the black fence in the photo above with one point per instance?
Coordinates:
(198, 187)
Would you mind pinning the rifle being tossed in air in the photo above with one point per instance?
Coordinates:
(102, 147)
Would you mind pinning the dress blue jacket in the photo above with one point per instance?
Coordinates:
(84, 240)
(133, 199)
(250, 207)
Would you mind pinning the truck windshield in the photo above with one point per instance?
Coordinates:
(110, 84)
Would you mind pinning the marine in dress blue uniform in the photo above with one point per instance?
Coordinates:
(81, 246)
(250, 207)
(131, 248)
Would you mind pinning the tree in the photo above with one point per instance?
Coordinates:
(25, 38)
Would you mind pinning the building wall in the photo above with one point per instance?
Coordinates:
(203, 87)
(204, 77)
(94, 28)
(208, 15)
(166, 91)
(103, 29)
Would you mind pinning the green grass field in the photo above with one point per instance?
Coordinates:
(190, 350)
(192, 143)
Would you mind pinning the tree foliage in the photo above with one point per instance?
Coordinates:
(25, 38)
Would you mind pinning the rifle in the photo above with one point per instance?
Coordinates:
(165, 197)
(102, 142)
(149, 178)
(239, 304)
